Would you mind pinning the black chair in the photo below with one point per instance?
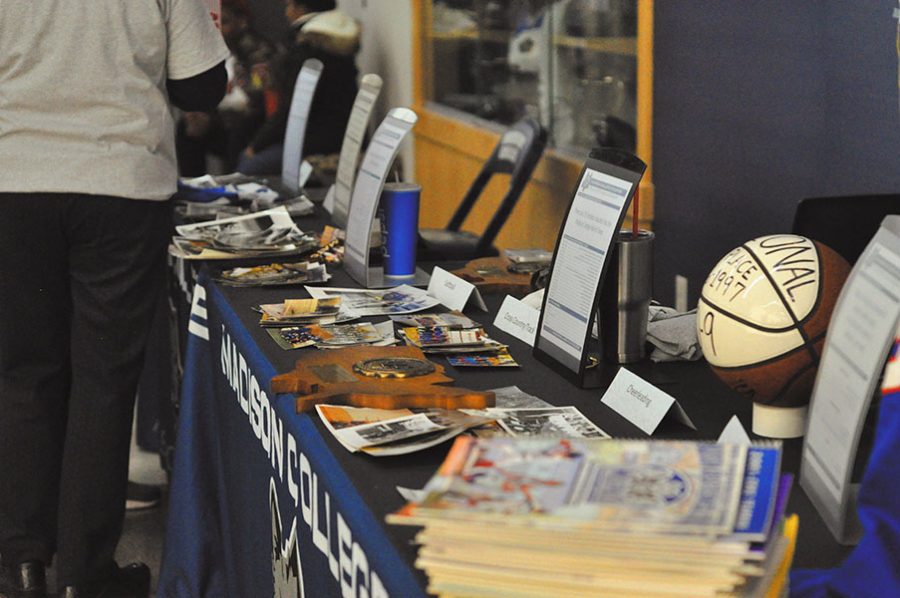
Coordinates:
(844, 223)
(517, 153)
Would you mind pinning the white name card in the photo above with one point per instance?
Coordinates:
(641, 403)
(518, 319)
(305, 170)
(453, 291)
(734, 433)
(328, 203)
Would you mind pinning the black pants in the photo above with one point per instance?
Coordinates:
(79, 276)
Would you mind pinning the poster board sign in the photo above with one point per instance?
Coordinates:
(355, 133)
(860, 333)
(304, 90)
(370, 180)
(590, 228)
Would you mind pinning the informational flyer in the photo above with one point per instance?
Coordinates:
(366, 193)
(586, 238)
(369, 88)
(859, 336)
(304, 89)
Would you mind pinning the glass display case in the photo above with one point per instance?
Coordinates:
(582, 68)
(572, 64)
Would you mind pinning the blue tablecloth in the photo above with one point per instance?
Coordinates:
(259, 505)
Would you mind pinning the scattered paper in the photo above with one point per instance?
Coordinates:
(361, 302)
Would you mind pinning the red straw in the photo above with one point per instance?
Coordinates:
(635, 202)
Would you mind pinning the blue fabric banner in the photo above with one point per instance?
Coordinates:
(259, 506)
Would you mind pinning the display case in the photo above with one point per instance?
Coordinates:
(583, 68)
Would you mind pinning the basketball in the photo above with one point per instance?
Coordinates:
(763, 314)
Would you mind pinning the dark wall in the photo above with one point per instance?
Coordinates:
(758, 105)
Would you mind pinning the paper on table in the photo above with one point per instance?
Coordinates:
(565, 422)
(513, 397)
(361, 302)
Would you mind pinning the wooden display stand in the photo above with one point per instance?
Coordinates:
(491, 275)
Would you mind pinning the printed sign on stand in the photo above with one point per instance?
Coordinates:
(304, 90)
(597, 209)
(338, 199)
(366, 193)
(859, 337)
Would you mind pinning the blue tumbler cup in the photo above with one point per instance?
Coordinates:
(400, 228)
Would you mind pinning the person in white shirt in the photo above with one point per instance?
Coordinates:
(88, 162)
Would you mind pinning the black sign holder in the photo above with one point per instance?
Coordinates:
(607, 169)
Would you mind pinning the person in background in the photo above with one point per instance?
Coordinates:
(88, 153)
(317, 31)
(225, 131)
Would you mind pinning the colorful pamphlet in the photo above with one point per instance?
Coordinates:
(327, 336)
(450, 319)
(500, 359)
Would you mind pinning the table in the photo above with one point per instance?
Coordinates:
(262, 495)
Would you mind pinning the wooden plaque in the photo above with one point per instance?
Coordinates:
(492, 275)
(376, 377)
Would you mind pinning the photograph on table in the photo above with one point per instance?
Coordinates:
(398, 300)
(450, 319)
(274, 274)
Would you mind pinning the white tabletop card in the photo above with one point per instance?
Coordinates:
(328, 202)
(641, 403)
(734, 432)
(304, 89)
(355, 133)
(453, 291)
(859, 336)
(367, 191)
(306, 170)
(518, 319)
(588, 233)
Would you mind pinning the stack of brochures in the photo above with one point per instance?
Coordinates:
(301, 311)
(262, 234)
(584, 517)
(275, 274)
